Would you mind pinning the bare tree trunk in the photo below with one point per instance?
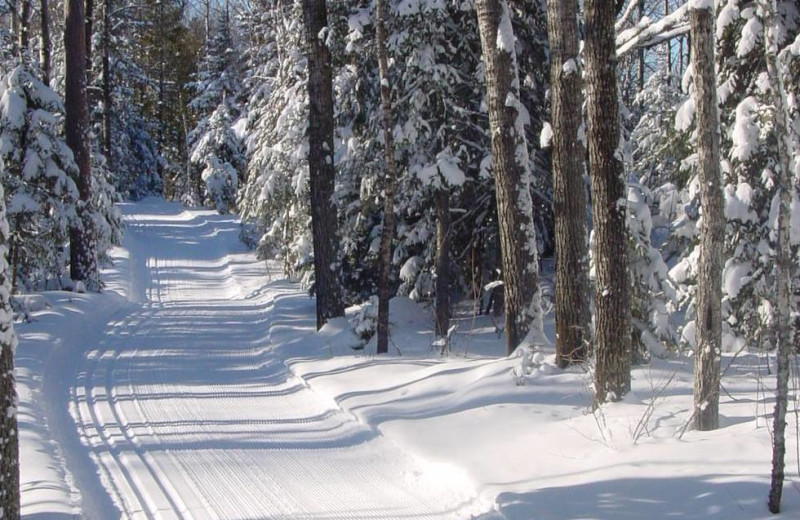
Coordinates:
(641, 60)
(612, 299)
(669, 46)
(783, 276)
(511, 174)
(569, 194)
(107, 87)
(9, 436)
(387, 234)
(44, 50)
(443, 282)
(12, 4)
(708, 321)
(330, 303)
(89, 33)
(83, 263)
(24, 26)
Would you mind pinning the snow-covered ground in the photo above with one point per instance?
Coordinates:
(195, 387)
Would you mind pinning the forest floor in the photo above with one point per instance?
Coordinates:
(195, 387)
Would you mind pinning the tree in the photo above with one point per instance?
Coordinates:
(783, 279)
(572, 280)
(507, 119)
(83, 255)
(612, 300)
(44, 45)
(9, 437)
(330, 303)
(390, 181)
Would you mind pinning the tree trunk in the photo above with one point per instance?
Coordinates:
(107, 87)
(9, 435)
(612, 299)
(443, 282)
(89, 31)
(83, 264)
(387, 233)
(24, 27)
(708, 321)
(569, 192)
(668, 44)
(44, 50)
(783, 275)
(511, 174)
(328, 288)
(641, 58)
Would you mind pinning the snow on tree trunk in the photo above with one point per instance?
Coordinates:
(569, 197)
(387, 233)
(507, 120)
(783, 275)
(328, 289)
(708, 321)
(612, 300)
(443, 278)
(9, 438)
(83, 258)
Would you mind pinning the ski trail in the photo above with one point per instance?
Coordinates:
(189, 415)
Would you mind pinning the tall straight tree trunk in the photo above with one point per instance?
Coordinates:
(783, 276)
(612, 299)
(14, 20)
(9, 436)
(24, 26)
(569, 193)
(442, 263)
(641, 58)
(89, 32)
(668, 45)
(83, 263)
(44, 49)
(708, 321)
(329, 291)
(387, 233)
(512, 174)
(107, 87)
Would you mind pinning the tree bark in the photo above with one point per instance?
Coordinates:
(24, 26)
(107, 87)
(387, 233)
(511, 174)
(708, 321)
(442, 264)
(641, 57)
(328, 288)
(89, 27)
(9, 434)
(612, 319)
(783, 275)
(668, 44)
(44, 50)
(83, 263)
(569, 192)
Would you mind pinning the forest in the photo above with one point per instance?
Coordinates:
(628, 170)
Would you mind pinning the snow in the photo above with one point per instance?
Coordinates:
(546, 137)
(197, 387)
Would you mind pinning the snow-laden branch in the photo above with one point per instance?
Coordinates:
(647, 33)
(626, 16)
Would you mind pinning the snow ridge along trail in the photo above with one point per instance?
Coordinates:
(189, 413)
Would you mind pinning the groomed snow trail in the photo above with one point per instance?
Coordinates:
(189, 413)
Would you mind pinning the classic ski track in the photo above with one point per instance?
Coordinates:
(218, 428)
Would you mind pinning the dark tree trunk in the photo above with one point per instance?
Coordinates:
(783, 277)
(668, 44)
(44, 51)
(24, 26)
(511, 174)
(83, 264)
(442, 264)
(387, 233)
(328, 288)
(572, 278)
(107, 86)
(9, 435)
(641, 58)
(89, 32)
(708, 321)
(612, 320)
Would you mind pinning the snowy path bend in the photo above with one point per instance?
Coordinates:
(190, 414)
